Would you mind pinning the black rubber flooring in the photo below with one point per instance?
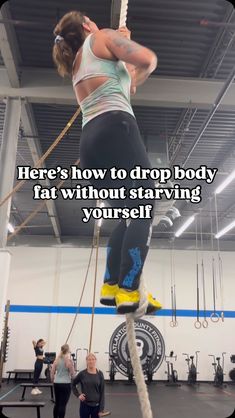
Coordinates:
(202, 401)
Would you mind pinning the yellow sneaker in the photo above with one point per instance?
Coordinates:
(128, 301)
(153, 304)
(108, 293)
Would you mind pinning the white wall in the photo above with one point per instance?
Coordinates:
(54, 277)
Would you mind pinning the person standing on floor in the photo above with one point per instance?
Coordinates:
(62, 372)
(38, 348)
(91, 393)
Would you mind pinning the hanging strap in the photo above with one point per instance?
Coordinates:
(220, 264)
(173, 322)
(204, 322)
(214, 315)
(197, 323)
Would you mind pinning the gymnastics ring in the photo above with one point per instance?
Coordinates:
(215, 317)
(205, 323)
(197, 324)
(174, 324)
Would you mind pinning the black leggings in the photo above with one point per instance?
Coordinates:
(87, 411)
(113, 140)
(62, 395)
(37, 370)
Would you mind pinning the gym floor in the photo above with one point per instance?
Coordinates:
(202, 401)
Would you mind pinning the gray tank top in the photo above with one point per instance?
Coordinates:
(62, 372)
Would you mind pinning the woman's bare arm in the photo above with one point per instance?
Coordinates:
(143, 59)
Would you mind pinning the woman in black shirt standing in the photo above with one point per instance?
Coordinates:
(91, 395)
(38, 348)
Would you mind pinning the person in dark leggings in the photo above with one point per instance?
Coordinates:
(106, 66)
(38, 348)
(61, 373)
(128, 244)
(91, 393)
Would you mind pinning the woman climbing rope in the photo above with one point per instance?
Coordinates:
(105, 66)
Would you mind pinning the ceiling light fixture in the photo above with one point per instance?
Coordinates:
(225, 183)
(99, 223)
(184, 226)
(225, 230)
(10, 228)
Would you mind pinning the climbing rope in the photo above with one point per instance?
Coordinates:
(137, 368)
(95, 244)
(134, 356)
(123, 13)
(80, 300)
(130, 318)
(38, 209)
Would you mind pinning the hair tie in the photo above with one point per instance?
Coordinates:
(58, 39)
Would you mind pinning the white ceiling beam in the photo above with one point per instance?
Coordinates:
(8, 47)
(45, 86)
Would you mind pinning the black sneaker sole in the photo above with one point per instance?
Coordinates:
(151, 309)
(108, 302)
(125, 309)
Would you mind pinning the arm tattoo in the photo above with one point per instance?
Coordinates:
(129, 47)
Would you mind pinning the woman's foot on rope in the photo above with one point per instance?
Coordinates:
(153, 305)
(108, 293)
(128, 302)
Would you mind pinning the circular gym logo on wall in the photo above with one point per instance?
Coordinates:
(149, 342)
